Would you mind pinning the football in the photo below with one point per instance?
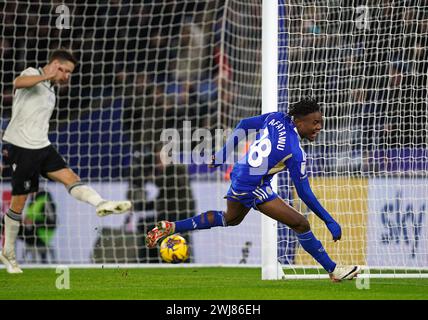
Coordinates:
(174, 249)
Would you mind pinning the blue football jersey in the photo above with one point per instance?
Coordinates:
(276, 148)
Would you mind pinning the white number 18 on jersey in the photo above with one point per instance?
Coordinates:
(259, 150)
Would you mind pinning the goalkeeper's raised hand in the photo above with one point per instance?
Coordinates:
(335, 229)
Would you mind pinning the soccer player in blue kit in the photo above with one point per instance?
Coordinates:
(276, 148)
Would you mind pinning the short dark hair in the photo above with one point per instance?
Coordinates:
(304, 107)
(63, 55)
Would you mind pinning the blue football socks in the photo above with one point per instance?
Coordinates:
(201, 222)
(314, 247)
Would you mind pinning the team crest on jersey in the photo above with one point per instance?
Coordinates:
(14, 167)
(269, 190)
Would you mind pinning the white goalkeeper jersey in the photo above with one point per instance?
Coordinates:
(31, 111)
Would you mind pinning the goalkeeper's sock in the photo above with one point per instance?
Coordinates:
(314, 247)
(12, 221)
(201, 222)
(83, 192)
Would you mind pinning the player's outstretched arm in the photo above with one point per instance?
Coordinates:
(243, 126)
(305, 193)
(28, 81)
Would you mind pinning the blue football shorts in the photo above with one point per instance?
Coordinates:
(251, 198)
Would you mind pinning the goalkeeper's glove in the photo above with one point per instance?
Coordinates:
(335, 229)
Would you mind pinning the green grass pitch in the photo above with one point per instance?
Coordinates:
(196, 284)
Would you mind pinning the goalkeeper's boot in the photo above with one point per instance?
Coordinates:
(110, 207)
(344, 273)
(162, 229)
(9, 261)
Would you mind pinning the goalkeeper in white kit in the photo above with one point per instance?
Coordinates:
(29, 153)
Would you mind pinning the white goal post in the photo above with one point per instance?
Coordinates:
(271, 269)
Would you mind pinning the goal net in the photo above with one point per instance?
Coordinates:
(366, 63)
(145, 67)
(153, 72)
